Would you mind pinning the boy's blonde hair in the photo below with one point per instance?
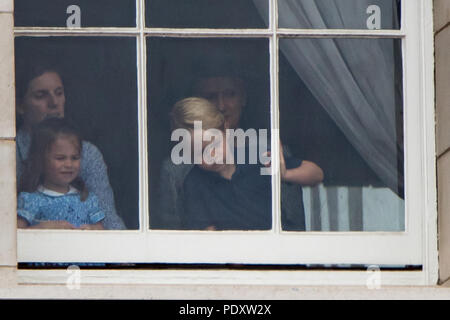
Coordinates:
(188, 110)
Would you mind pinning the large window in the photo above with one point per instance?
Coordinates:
(334, 89)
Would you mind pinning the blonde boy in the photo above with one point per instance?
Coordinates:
(219, 195)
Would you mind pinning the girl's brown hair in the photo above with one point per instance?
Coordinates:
(44, 135)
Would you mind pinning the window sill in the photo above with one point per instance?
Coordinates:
(197, 284)
(224, 292)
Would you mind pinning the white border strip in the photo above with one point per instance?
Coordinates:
(371, 279)
(430, 218)
(251, 247)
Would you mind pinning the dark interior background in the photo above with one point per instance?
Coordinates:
(227, 14)
(100, 81)
(94, 13)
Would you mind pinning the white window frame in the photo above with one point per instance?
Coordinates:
(416, 246)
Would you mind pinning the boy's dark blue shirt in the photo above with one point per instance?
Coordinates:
(241, 203)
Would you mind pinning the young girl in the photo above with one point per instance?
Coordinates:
(52, 195)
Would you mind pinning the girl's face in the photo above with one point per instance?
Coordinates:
(62, 164)
(44, 99)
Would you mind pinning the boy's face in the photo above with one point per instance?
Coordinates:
(213, 153)
(62, 164)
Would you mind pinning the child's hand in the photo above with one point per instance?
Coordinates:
(307, 174)
(59, 224)
(96, 226)
(283, 170)
(22, 223)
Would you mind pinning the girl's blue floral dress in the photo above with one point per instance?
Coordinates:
(44, 205)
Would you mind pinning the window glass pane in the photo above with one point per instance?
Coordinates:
(339, 14)
(341, 108)
(205, 13)
(92, 82)
(70, 13)
(231, 76)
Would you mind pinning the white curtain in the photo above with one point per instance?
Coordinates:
(353, 79)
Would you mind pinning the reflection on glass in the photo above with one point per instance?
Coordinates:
(90, 82)
(339, 14)
(69, 13)
(341, 107)
(223, 84)
(205, 13)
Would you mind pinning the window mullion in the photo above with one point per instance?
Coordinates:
(274, 119)
(142, 112)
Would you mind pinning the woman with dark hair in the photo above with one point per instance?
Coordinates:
(40, 95)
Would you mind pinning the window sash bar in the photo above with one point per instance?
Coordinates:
(199, 32)
(340, 33)
(29, 31)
